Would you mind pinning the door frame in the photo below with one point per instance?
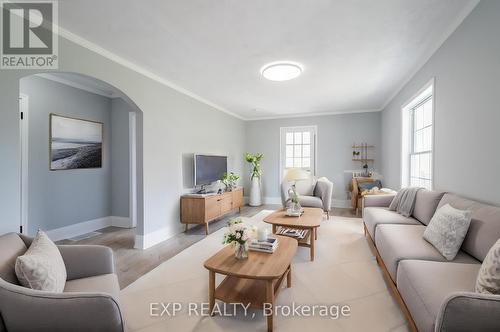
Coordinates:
(132, 130)
(24, 161)
(314, 153)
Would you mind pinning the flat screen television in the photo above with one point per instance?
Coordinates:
(208, 168)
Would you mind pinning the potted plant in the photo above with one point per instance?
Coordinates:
(238, 235)
(255, 192)
(229, 180)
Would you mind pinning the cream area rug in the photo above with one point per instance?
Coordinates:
(344, 273)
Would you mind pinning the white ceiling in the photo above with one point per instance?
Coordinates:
(356, 53)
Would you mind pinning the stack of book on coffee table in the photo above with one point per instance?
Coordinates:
(292, 232)
(268, 245)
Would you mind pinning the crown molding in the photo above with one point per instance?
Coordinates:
(433, 49)
(305, 115)
(132, 66)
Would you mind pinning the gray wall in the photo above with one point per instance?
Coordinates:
(336, 134)
(173, 124)
(120, 157)
(62, 198)
(467, 70)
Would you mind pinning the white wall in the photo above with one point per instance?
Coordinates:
(62, 198)
(336, 134)
(173, 124)
(120, 157)
(467, 116)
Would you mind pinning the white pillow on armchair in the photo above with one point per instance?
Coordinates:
(306, 187)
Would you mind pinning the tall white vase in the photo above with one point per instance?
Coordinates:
(255, 193)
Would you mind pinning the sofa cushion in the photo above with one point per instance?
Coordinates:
(310, 201)
(488, 279)
(399, 242)
(426, 204)
(105, 283)
(373, 216)
(484, 228)
(42, 266)
(424, 285)
(447, 230)
(11, 246)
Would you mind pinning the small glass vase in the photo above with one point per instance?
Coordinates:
(296, 208)
(240, 251)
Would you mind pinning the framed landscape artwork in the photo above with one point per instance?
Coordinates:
(75, 143)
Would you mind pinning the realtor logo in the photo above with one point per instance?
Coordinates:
(29, 36)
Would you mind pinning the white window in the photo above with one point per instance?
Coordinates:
(298, 148)
(417, 152)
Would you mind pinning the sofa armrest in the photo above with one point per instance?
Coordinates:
(378, 200)
(24, 309)
(84, 261)
(324, 190)
(469, 311)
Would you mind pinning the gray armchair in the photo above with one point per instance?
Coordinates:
(90, 301)
(321, 195)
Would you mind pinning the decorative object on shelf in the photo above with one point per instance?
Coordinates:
(238, 235)
(360, 153)
(229, 180)
(255, 191)
(293, 204)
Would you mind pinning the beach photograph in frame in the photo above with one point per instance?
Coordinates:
(75, 143)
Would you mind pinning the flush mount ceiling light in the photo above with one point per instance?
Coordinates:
(281, 70)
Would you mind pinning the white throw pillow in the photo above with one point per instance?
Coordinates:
(488, 278)
(42, 266)
(306, 187)
(447, 229)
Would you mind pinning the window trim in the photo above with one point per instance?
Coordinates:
(407, 132)
(314, 153)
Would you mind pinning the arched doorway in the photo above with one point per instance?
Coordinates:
(62, 191)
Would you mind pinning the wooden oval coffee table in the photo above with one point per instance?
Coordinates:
(310, 221)
(256, 280)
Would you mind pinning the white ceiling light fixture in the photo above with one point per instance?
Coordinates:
(281, 71)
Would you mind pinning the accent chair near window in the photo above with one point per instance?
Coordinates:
(312, 193)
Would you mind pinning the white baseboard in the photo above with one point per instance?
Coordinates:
(338, 203)
(265, 200)
(123, 222)
(341, 203)
(67, 232)
(148, 240)
(70, 231)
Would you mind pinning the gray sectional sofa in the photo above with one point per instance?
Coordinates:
(435, 294)
(89, 301)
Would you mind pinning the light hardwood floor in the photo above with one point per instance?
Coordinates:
(132, 263)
